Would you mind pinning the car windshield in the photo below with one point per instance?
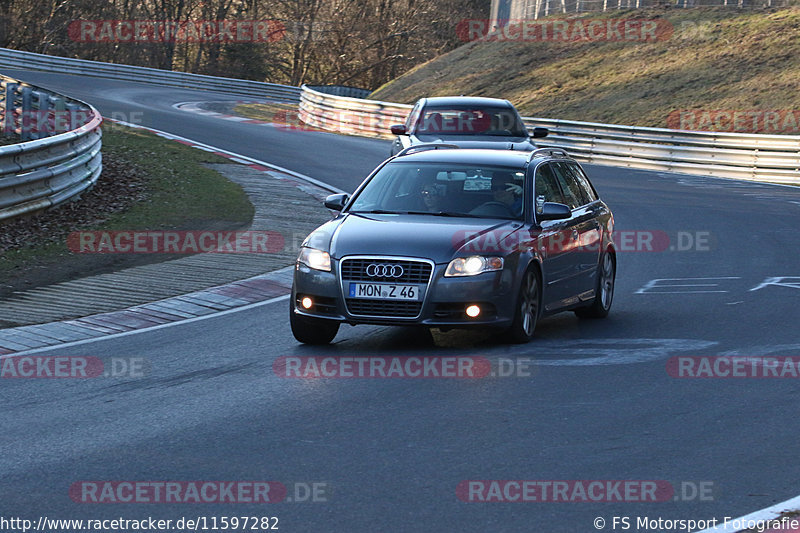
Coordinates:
(444, 189)
(471, 120)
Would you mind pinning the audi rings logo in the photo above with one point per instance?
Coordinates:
(376, 270)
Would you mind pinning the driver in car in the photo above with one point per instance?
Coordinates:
(506, 190)
(431, 197)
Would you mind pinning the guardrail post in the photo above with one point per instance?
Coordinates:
(60, 117)
(27, 106)
(77, 116)
(9, 108)
(40, 116)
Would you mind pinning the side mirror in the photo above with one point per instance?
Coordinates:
(336, 202)
(539, 133)
(554, 211)
(398, 129)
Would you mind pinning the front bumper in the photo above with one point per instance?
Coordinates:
(444, 303)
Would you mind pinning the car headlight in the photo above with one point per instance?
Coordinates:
(316, 259)
(473, 265)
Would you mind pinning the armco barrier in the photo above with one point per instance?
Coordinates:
(16, 59)
(63, 161)
(756, 157)
(349, 115)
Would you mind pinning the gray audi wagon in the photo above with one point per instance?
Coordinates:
(445, 237)
(467, 122)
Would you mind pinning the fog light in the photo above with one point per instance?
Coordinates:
(473, 311)
(307, 302)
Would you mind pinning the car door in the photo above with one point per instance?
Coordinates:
(555, 243)
(585, 230)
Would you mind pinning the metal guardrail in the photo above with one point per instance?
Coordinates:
(354, 116)
(755, 157)
(63, 158)
(16, 59)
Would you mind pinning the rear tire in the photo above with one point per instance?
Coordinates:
(604, 291)
(527, 313)
(309, 330)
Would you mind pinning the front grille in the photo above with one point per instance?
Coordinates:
(355, 270)
(413, 271)
(383, 308)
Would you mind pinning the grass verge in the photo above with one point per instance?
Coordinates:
(272, 112)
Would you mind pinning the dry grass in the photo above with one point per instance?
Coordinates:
(716, 59)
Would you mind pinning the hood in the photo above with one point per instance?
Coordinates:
(491, 143)
(436, 238)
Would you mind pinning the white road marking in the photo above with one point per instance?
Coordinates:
(769, 513)
(597, 352)
(779, 281)
(655, 284)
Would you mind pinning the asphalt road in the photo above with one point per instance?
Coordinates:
(598, 403)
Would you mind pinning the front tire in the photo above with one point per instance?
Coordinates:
(527, 313)
(309, 330)
(604, 292)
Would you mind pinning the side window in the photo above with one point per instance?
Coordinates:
(586, 185)
(573, 192)
(546, 187)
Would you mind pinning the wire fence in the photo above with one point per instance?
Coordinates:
(503, 10)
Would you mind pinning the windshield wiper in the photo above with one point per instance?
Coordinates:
(429, 213)
(376, 212)
(453, 214)
(440, 214)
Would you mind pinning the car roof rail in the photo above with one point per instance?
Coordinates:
(425, 146)
(548, 152)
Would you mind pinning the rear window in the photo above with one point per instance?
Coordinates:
(470, 120)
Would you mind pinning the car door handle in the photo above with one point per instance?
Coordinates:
(574, 235)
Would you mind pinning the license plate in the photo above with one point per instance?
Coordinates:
(386, 291)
